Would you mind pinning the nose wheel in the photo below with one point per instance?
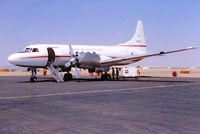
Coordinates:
(33, 77)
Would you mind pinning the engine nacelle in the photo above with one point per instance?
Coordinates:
(91, 59)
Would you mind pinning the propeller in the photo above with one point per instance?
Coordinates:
(73, 61)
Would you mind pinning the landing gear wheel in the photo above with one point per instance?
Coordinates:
(108, 77)
(105, 77)
(67, 77)
(32, 79)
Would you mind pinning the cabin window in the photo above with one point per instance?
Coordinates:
(35, 50)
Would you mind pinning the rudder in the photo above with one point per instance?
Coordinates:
(138, 39)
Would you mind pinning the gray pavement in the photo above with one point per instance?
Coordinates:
(146, 106)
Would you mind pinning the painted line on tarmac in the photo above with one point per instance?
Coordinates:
(88, 92)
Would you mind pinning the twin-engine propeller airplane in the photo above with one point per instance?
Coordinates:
(56, 57)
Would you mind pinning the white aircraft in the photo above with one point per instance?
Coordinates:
(57, 57)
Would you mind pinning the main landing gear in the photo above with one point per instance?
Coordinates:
(33, 77)
(68, 76)
(106, 76)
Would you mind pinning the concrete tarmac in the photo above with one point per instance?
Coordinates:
(145, 106)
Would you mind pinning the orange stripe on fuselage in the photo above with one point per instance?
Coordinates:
(57, 56)
(63, 56)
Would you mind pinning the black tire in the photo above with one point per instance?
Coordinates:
(105, 77)
(67, 77)
(108, 77)
(32, 79)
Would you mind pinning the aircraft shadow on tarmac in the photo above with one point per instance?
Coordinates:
(52, 80)
(143, 79)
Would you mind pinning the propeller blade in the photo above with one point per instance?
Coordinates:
(71, 50)
(72, 60)
(77, 72)
(67, 65)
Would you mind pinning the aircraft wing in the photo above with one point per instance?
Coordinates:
(116, 61)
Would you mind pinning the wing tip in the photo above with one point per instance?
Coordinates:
(193, 47)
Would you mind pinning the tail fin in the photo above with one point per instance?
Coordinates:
(138, 39)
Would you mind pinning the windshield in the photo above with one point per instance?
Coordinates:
(27, 49)
(35, 50)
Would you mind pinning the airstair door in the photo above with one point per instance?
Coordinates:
(51, 54)
(54, 71)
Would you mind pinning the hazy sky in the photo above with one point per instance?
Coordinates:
(168, 24)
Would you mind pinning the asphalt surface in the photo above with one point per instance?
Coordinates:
(145, 106)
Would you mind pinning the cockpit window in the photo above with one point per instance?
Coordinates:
(27, 49)
(35, 50)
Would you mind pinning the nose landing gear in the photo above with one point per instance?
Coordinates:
(33, 77)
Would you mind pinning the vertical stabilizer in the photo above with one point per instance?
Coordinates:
(138, 39)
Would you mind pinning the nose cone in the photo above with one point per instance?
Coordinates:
(12, 59)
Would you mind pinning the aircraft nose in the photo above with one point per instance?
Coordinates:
(12, 58)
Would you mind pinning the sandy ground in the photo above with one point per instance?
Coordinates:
(168, 72)
(155, 72)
